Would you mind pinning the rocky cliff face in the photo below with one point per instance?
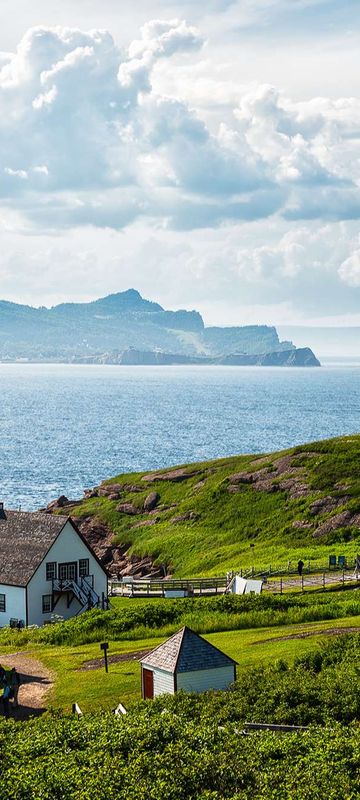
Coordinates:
(117, 559)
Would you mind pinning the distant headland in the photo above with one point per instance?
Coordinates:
(125, 328)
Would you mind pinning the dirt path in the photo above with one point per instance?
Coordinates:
(96, 663)
(305, 634)
(36, 682)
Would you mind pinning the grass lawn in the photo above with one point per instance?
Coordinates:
(94, 689)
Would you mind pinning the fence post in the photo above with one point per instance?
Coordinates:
(281, 586)
(324, 580)
(343, 577)
(302, 583)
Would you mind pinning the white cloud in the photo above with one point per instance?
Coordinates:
(349, 270)
(158, 162)
(112, 149)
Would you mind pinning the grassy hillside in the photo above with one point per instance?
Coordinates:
(303, 502)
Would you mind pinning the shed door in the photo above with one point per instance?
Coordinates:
(148, 684)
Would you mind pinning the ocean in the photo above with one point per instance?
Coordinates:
(65, 428)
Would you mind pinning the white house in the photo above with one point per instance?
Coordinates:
(185, 661)
(46, 567)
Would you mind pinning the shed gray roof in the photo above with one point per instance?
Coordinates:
(186, 651)
(25, 538)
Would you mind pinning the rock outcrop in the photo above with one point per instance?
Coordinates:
(283, 474)
(116, 558)
(174, 475)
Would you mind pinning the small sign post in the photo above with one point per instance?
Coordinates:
(104, 646)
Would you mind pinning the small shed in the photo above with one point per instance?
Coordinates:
(185, 661)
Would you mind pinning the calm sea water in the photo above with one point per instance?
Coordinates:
(65, 428)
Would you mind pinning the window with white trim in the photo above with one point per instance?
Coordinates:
(83, 567)
(50, 570)
(2, 602)
(46, 603)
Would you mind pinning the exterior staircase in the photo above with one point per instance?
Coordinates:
(82, 590)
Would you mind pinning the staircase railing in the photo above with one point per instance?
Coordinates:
(83, 591)
(92, 596)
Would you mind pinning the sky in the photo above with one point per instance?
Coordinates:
(206, 153)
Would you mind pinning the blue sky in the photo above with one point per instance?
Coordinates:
(206, 153)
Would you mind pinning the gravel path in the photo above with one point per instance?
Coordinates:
(96, 663)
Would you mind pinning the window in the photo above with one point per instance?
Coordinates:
(2, 602)
(46, 603)
(50, 570)
(83, 567)
(68, 571)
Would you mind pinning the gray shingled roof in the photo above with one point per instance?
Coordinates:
(186, 651)
(25, 538)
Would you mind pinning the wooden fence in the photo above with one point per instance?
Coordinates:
(158, 587)
(214, 586)
(316, 581)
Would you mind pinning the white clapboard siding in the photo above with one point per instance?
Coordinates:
(163, 682)
(15, 604)
(203, 679)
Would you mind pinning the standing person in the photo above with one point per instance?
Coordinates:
(5, 698)
(300, 567)
(15, 682)
(2, 675)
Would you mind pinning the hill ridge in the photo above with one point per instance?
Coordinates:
(105, 327)
(200, 519)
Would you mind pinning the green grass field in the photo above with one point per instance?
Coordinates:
(94, 689)
(270, 515)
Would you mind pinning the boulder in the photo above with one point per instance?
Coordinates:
(151, 501)
(61, 502)
(241, 477)
(90, 493)
(127, 508)
(109, 490)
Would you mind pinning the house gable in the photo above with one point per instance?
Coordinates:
(62, 563)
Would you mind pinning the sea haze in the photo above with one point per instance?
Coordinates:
(65, 428)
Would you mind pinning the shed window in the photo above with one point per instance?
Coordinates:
(83, 567)
(51, 570)
(46, 603)
(2, 602)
